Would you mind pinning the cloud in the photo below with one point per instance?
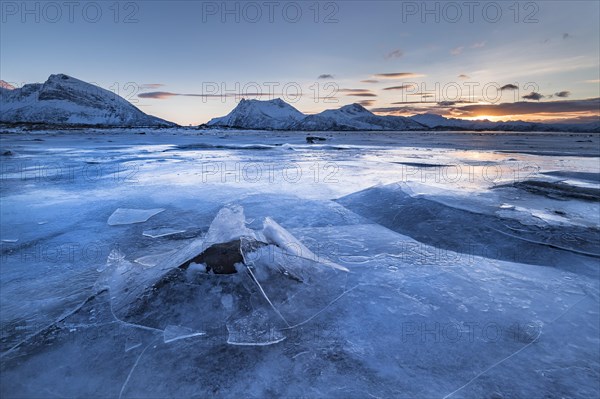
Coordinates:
(413, 102)
(406, 110)
(457, 50)
(526, 107)
(593, 81)
(151, 86)
(388, 109)
(441, 104)
(366, 103)
(354, 90)
(394, 54)
(478, 44)
(369, 81)
(563, 94)
(585, 110)
(357, 92)
(463, 76)
(160, 95)
(509, 87)
(326, 76)
(421, 93)
(398, 75)
(533, 96)
(401, 87)
(362, 94)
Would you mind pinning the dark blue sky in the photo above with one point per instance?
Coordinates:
(194, 47)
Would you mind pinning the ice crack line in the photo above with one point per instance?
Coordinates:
(134, 366)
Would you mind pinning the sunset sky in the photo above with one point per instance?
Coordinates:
(498, 60)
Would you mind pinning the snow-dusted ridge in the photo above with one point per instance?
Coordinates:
(63, 100)
(355, 117)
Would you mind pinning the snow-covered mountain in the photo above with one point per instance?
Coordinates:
(64, 100)
(355, 117)
(255, 114)
(278, 115)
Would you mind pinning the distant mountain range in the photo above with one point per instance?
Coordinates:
(438, 122)
(278, 115)
(65, 101)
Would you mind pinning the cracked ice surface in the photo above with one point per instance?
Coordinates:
(466, 288)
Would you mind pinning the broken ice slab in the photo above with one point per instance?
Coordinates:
(279, 236)
(255, 329)
(175, 333)
(280, 277)
(130, 216)
(229, 225)
(162, 232)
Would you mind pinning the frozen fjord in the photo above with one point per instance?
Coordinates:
(460, 281)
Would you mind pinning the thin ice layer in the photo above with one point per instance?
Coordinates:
(162, 232)
(130, 216)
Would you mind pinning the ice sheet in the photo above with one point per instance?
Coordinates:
(419, 314)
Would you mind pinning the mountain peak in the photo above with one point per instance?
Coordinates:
(355, 117)
(355, 108)
(275, 101)
(6, 85)
(260, 114)
(58, 76)
(64, 100)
